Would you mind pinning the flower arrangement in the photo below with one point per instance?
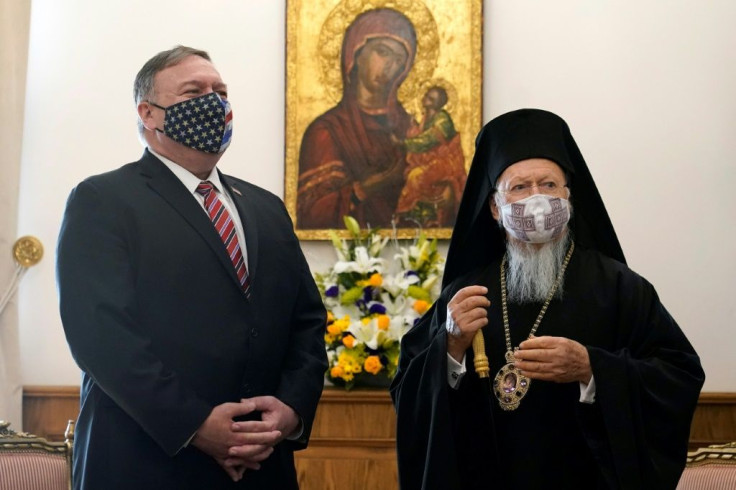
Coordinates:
(371, 302)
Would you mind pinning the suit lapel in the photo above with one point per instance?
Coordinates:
(166, 185)
(248, 219)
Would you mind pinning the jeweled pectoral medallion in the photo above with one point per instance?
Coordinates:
(509, 385)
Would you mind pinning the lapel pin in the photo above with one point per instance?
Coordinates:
(237, 192)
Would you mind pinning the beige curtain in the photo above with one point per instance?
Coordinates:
(14, 27)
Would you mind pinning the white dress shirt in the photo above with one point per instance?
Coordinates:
(191, 182)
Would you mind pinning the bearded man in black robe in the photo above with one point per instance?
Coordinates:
(592, 383)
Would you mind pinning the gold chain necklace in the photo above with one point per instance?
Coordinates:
(509, 385)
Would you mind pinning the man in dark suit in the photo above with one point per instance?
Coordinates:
(188, 305)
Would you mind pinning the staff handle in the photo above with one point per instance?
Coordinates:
(480, 360)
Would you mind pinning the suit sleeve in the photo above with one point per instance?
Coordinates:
(302, 376)
(96, 281)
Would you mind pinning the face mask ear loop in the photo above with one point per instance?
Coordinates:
(158, 106)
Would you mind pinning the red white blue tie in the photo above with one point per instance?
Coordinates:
(226, 229)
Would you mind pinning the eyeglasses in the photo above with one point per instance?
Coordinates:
(524, 190)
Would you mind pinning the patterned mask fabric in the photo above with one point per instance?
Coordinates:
(204, 123)
(536, 219)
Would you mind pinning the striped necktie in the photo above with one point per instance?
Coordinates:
(226, 229)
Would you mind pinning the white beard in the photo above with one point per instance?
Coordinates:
(532, 269)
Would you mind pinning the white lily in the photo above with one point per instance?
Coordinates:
(430, 281)
(366, 333)
(363, 263)
(420, 254)
(398, 327)
(340, 311)
(377, 245)
(403, 258)
(399, 283)
(394, 307)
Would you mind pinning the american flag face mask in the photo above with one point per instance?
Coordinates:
(204, 123)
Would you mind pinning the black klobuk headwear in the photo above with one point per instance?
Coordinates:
(477, 240)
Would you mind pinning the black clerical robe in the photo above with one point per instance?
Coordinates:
(634, 435)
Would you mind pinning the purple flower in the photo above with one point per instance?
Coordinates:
(331, 292)
(410, 273)
(367, 293)
(377, 308)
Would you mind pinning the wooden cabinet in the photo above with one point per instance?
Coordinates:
(353, 443)
(354, 434)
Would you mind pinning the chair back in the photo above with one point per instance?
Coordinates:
(710, 468)
(28, 462)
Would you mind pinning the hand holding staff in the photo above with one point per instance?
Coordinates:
(467, 313)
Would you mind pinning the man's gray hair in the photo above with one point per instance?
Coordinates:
(143, 87)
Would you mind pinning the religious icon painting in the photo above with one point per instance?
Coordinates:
(383, 102)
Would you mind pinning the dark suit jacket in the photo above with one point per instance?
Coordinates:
(157, 322)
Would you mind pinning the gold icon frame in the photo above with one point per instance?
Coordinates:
(448, 54)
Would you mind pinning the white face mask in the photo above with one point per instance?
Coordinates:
(536, 219)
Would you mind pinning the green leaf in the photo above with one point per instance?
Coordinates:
(351, 296)
(417, 292)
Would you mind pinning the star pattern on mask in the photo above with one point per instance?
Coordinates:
(203, 123)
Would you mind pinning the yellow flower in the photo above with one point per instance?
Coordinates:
(349, 341)
(372, 364)
(334, 329)
(349, 363)
(420, 306)
(383, 322)
(336, 371)
(376, 280)
(365, 321)
(330, 317)
(342, 324)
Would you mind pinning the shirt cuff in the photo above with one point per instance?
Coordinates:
(587, 392)
(189, 441)
(298, 432)
(455, 371)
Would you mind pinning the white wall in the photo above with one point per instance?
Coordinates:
(647, 87)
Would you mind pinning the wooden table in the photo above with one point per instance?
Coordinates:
(353, 443)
